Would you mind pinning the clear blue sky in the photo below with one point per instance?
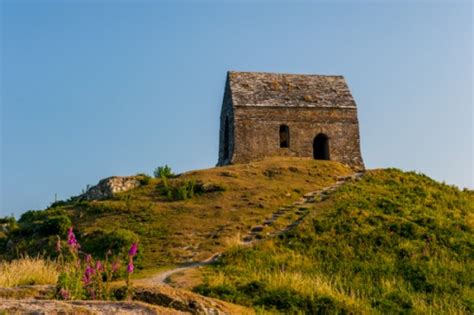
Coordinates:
(98, 88)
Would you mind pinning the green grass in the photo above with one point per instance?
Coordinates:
(227, 201)
(392, 243)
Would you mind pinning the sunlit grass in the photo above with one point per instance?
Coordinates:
(27, 271)
(393, 243)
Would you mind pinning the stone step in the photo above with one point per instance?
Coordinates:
(247, 238)
(258, 228)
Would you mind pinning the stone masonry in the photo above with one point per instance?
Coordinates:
(270, 114)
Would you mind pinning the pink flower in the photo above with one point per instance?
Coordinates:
(88, 259)
(130, 267)
(98, 266)
(115, 266)
(71, 239)
(133, 250)
(87, 274)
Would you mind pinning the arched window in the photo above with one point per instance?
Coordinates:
(321, 147)
(226, 138)
(284, 136)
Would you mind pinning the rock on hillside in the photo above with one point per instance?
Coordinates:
(109, 186)
(53, 307)
(148, 299)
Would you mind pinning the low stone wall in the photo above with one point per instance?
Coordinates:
(107, 187)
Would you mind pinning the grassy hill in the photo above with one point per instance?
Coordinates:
(391, 243)
(227, 201)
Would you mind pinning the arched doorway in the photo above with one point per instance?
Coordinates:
(284, 136)
(321, 147)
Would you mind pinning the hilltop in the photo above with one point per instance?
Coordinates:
(392, 243)
(226, 202)
(389, 242)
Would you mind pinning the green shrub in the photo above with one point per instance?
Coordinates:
(416, 275)
(179, 190)
(226, 291)
(117, 241)
(282, 299)
(163, 171)
(325, 305)
(143, 178)
(59, 203)
(394, 303)
(56, 225)
(8, 224)
(43, 223)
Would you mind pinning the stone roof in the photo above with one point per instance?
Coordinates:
(298, 90)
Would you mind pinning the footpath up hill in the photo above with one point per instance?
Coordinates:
(392, 243)
(183, 219)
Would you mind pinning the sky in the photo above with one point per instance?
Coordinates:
(91, 89)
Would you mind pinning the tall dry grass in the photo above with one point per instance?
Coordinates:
(28, 271)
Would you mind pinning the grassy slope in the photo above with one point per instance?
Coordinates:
(392, 243)
(173, 232)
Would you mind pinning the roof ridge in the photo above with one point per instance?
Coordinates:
(285, 73)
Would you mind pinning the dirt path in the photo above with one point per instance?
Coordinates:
(257, 233)
(160, 278)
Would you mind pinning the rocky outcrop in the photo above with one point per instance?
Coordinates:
(53, 307)
(148, 299)
(107, 187)
(187, 301)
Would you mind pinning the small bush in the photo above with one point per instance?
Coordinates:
(226, 291)
(59, 203)
(208, 187)
(117, 241)
(282, 299)
(394, 303)
(416, 275)
(8, 224)
(143, 178)
(163, 171)
(50, 222)
(181, 190)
